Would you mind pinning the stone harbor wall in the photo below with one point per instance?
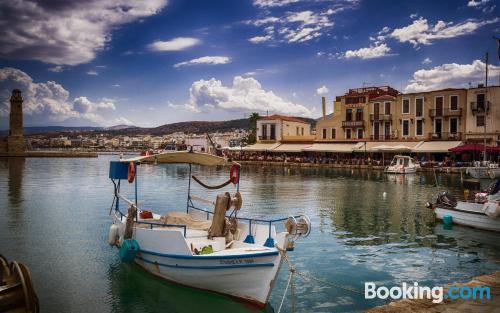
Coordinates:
(3, 145)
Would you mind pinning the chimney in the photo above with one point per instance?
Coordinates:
(323, 105)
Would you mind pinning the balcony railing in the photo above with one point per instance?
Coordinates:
(382, 137)
(357, 123)
(445, 136)
(380, 117)
(479, 107)
(445, 112)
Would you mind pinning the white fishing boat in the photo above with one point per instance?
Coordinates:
(207, 248)
(401, 164)
(482, 213)
(489, 170)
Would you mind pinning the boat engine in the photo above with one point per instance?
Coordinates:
(446, 200)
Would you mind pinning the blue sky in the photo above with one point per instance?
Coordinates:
(153, 62)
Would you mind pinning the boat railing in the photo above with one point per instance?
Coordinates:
(151, 224)
(250, 238)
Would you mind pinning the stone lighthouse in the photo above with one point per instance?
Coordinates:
(15, 143)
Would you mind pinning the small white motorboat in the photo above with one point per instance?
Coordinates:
(479, 171)
(401, 164)
(213, 248)
(483, 213)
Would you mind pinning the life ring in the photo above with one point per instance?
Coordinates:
(234, 174)
(131, 172)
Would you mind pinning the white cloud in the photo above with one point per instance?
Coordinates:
(263, 21)
(473, 3)
(260, 39)
(92, 72)
(427, 61)
(56, 69)
(421, 32)
(413, 15)
(65, 32)
(48, 102)
(450, 75)
(371, 52)
(121, 121)
(321, 91)
(211, 60)
(116, 85)
(176, 44)
(273, 3)
(246, 95)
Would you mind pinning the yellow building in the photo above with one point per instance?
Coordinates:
(483, 107)
(279, 128)
(432, 115)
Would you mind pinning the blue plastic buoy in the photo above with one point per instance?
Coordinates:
(447, 221)
(129, 250)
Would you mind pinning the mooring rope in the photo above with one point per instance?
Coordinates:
(309, 277)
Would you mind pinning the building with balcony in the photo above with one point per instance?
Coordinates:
(278, 128)
(482, 118)
(431, 115)
(357, 114)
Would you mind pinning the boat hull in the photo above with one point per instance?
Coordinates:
(247, 278)
(483, 172)
(400, 171)
(469, 214)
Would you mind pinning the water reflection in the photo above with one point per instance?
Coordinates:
(16, 172)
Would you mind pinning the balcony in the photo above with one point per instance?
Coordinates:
(445, 136)
(382, 137)
(267, 138)
(445, 113)
(357, 123)
(479, 107)
(380, 117)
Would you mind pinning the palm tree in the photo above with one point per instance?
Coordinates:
(252, 137)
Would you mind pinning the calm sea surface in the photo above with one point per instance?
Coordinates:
(54, 218)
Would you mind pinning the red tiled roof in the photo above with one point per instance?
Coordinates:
(384, 97)
(283, 118)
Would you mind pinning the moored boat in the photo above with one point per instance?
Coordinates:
(214, 250)
(17, 294)
(482, 213)
(401, 164)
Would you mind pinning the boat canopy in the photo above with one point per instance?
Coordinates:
(186, 157)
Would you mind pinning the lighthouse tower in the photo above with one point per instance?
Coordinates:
(15, 142)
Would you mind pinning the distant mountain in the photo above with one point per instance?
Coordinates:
(193, 127)
(119, 127)
(53, 129)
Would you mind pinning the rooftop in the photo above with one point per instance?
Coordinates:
(283, 118)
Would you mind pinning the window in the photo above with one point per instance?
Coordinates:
(454, 103)
(419, 107)
(406, 106)
(480, 121)
(302, 131)
(453, 125)
(334, 133)
(419, 128)
(480, 101)
(360, 133)
(324, 133)
(273, 131)
(387, 110)
(406, 128)
(348, 115)
(297, 130)
(354, 100)
(359, 114)
(264, 131)
(348, 133)
(439, 105)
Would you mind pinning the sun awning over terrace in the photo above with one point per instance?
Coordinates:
(333, 147)
(387, 146)
(261, 147)
(291, 147)
(436, 146)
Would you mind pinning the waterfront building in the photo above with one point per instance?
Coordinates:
(483, 108)
(277, 128)
(358, 115)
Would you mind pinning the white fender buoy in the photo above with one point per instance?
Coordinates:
(384, 194)
(113, 235)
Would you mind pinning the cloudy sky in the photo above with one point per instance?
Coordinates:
(151, 62)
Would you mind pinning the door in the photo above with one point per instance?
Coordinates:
(273, 132)
(376, 110)
(387, 130)
(439, 106)
(376, 130)
(387, 108)
(438, 127)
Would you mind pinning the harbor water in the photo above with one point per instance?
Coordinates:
(367, 226)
